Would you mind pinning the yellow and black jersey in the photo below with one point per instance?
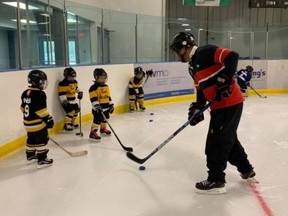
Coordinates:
(136, 83)
(100, 94)
(34, 109)
(67, 90)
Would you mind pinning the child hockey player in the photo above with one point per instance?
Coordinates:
(136, 93)
(67, 90)
(100, 98)
(243, 78)
(36, 119)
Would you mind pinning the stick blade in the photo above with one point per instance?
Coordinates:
(78, 154)
(132, 157)
(128, 149)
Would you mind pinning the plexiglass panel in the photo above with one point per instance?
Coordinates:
(59, 33)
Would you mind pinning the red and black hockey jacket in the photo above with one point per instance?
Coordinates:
(206, 64)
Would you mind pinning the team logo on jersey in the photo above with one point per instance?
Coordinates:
(27, 100)
(28, 92)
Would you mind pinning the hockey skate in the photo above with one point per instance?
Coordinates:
(94, 135)
(131, 109)
(68, 127)
(32, 159)
(44, 163)
(250, 176)
(207, 187)
(105, 131)
(142, 108)
(75, 125)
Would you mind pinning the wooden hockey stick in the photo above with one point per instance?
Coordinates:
(72, 154)
(80, 133)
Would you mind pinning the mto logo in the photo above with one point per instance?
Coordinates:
(160, 73)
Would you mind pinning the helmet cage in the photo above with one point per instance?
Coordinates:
(100, 72)
(69, 72)
(138, 71)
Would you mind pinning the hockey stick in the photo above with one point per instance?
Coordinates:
(141, 161)
(257, 92)
(72, 154)
(136, 103)
(128, 149)
(80, 121)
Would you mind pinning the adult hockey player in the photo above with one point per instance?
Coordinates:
(36, 119)
(243, 78)
(67, 90)
(212, 69)
(135, 87)
(101, 101)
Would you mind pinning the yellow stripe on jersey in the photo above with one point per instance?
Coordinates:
(32, 121)
(42, 113)
(69, 89)
(34, 128)
(134, 84)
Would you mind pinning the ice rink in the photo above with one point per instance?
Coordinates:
(107, 183)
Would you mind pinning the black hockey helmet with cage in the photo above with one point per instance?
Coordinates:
(99, 72)
(37, 78)
(69, 72)
(249, 69)
(138, 71)
(183, 39)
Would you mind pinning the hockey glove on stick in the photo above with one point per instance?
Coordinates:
(111, 108)
(198, 117)
(223, 87)
(97, 107)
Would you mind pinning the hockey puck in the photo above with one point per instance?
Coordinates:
(142, 168)
(151, 120)
(151, 113)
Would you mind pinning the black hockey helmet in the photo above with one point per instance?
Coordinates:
(38, 79)
(69, 72)
(249, 69)
(183, 39)
(138, 71)
(99, 72)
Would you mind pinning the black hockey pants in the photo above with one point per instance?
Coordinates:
(222, 144)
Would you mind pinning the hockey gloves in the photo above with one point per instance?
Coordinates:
(97, 107)
(80, 95)
(193, 110)
(111, 108)
(223, 87)
(49, 121)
